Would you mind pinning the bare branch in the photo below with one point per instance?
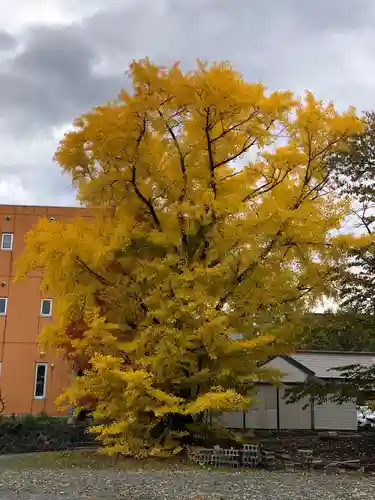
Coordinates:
(364, 219)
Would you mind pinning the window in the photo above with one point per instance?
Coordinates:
(6, 241)
(40, 381)
(3, 306)
(46, 307)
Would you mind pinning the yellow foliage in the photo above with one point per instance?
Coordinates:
(194, 239)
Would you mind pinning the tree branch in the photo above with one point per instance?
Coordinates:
(230, 176)
(364, 219)
(211, 166)
(234, 127)
(211, 162)
(246, 146)
(147, 202)
(100, 278)
(132, 181)
(183, 169)
(180, 155)
(265, 188)
(240, 278)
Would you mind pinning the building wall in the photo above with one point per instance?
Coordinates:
(291, 373)
(19, 328)
(232, 419)
(330, 416)
(294, 415)
(262, 414)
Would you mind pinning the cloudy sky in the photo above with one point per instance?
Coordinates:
(58, 58)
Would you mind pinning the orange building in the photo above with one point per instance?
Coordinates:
(30, 380)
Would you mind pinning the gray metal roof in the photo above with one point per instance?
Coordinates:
(321, 362)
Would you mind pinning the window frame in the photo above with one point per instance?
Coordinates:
(37, 365)
(6, 306)
(11, 241)
(41, 308)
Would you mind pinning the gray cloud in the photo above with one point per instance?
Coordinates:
(52, 79)
(285, 44)
(65, 70)
(51, 73)
(325, 15)
(7, 41)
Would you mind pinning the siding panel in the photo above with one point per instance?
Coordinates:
(232, 419)
(263, 413)
(331, 416)
(293, 416)
(292, 373)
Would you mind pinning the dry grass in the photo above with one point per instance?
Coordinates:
(83, 460)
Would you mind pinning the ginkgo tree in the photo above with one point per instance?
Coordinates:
(213, 215)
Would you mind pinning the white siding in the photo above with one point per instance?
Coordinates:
(232, 419)
(293, 416)
(331, 416)
(263, 413)
(293, 374)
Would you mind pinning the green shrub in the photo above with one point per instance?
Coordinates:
(26, 433)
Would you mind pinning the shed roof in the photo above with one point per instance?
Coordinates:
(322, 362)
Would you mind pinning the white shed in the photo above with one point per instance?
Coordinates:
(271, 410)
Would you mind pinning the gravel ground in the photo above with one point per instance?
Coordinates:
(174, 484)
